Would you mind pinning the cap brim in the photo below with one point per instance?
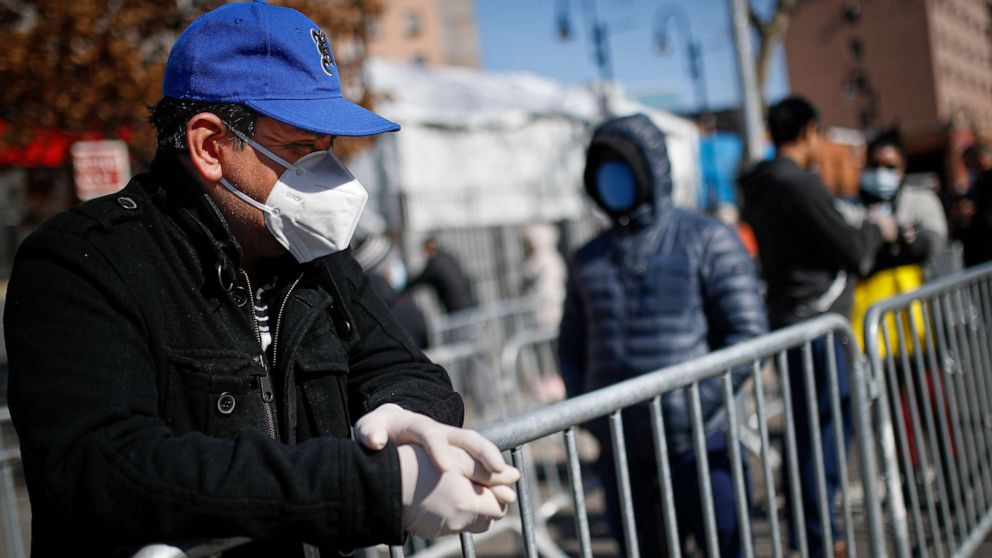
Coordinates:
(336, 116)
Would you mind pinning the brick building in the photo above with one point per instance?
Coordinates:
(432, 32)
(922, 65)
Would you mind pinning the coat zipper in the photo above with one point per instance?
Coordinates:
(309, 551)
(264, 382)
(282, 308)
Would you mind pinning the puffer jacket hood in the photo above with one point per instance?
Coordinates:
(640, 143)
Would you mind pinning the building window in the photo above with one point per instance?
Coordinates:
(373, 29)
(412, 24)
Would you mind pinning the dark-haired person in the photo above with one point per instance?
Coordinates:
(661, 286)
(189, 356)
(808, 253)
(900, 266)
(917, 209)
(444, 274)
(976, 235)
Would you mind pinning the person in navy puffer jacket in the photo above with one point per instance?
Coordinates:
(661, 286)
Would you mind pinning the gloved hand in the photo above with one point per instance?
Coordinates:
(390, 422)
(437, 503)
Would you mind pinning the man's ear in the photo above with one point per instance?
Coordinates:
(205, 135)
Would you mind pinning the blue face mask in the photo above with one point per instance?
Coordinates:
(616, 186)
(883, 183)
(395, 274)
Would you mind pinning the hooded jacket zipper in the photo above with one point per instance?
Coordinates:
(265, 381)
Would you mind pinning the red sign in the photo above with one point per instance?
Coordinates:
(100, 167)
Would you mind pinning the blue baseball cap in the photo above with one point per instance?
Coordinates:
(272, 59)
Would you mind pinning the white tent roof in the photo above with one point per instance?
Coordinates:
(466, 98)
(482, 148)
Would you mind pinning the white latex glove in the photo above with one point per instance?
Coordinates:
(390, 422)
(437, 503)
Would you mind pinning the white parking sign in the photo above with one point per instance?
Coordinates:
(100, 167)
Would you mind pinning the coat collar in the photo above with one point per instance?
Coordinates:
(185, 201)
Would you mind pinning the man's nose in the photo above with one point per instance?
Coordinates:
(324, 143)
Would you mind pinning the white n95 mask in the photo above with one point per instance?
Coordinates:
(314, 207)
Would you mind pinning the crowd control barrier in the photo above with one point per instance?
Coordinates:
(922, 389)
(495, 322)
(12, 541)
(930, 353)
(561, 420)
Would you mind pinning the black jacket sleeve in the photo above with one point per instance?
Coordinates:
(84, 400)
(571, 338)
(811, 208)
(385, 367)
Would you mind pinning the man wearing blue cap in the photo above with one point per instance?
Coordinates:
(189, 356)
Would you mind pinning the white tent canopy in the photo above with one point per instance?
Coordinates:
(493, 148)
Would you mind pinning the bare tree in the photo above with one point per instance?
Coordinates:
(771, 31)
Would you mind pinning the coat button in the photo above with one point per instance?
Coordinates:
(240, 296)
(226, 403)
(127, 203)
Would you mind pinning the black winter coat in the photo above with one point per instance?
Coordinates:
(147, 411)
(804, 242)
(662, 288)
(445, 275)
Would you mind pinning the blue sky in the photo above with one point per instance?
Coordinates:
(522, 35)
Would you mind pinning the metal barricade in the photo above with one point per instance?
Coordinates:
(470, 344)
(925, 390)
(525, 380)
(562, 419)
(10, 458)
(493, 323)
(930, 353)
(472, 368)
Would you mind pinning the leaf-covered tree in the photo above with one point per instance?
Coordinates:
(95, 66)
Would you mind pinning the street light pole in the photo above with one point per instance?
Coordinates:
(601, 46)
(698, 74)
(693, 50)
(754, 131)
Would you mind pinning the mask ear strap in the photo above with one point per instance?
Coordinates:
(285, 164)
(247, 199)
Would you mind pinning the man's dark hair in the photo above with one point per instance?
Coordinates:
(889, 138)
(788, 118)
(978, 149)
(170, 117)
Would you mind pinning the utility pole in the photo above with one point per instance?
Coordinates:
(751, 110)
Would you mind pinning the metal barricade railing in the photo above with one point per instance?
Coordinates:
(930, 350)
(472, 342)
(526, 379)
(10, 458)
(925, 390)
(518, 434)
(472, 368)
(495, 322)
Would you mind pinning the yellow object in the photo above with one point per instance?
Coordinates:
(880, 286)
